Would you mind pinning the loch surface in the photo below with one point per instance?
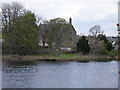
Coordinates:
(54, 74)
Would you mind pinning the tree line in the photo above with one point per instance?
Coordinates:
(22, 32)
(95, 43)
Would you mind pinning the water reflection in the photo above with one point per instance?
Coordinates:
(48, 74)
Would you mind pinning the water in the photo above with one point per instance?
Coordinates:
(60, 75)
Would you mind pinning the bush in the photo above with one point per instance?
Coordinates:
(98, 47)
(104, 52)
(111, 54)
(115, 52)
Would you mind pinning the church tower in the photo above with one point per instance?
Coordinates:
(70, 20)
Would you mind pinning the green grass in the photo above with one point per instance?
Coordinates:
(68, 56)
(66, 45)
(79, 57)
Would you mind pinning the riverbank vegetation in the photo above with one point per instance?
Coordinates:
(22, 32)
(60, 57)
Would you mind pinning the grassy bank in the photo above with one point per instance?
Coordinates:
(60, 57)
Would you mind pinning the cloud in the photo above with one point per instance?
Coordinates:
(85, 13)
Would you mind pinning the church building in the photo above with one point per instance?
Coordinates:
(69, 39)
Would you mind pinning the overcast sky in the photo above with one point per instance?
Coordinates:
(84, 13)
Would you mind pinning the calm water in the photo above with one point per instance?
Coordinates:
(60, 75)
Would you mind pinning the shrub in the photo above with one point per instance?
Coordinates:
(98, 47)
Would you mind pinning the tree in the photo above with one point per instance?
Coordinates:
(19, 29)
(58, 29)
(97, 47)
(108, 45)
(83, 46)
(10, 12)
(43, 31)
(95, 30)
(102, 37)
(25, 32)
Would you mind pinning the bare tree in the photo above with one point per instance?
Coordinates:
(43, 31)
(96, 47)
(10, 12)
(95, 30)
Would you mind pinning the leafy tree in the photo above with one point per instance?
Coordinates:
(107, 45)
(25, 32)
(58, 30)
(83, 46)
(19, 29)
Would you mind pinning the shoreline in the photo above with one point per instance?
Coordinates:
(61, 57)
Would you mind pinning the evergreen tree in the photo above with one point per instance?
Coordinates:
(109, 46)
(83, 46)
(102, 37)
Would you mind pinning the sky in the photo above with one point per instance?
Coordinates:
(84, 13)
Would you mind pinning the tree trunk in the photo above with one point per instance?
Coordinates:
(43, 41)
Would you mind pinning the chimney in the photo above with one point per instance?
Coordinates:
(70, 20)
